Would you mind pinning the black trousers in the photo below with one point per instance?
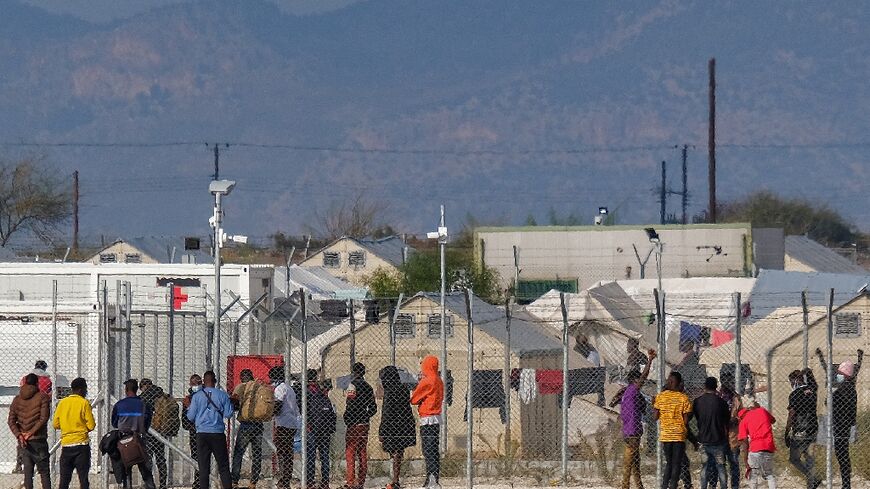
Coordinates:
(841, 450)
(157, 451)
(284, 450)
(674, 453)
(429, 436)
(35, 455)
(76, 458)
(191, 441)
(208, 444)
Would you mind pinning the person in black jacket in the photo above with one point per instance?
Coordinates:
(195, 385)
(132, 415)
(397, 430)
(844, 411)
(359, 408)
(321, 427)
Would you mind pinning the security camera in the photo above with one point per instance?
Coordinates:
(222, 187)
(238, 238)
(599, 220)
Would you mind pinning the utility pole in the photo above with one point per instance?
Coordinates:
(711, 142)
(663, 192)
(685, 193)
(75, 204)
(217, 157)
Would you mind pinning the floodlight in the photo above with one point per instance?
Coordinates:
(222, 187)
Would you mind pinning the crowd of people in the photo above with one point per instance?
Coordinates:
(146, 409)
(729, 429)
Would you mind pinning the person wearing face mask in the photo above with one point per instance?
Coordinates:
(843, 412)
(195, 385)
(286, 425)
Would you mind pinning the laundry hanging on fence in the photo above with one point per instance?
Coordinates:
(528, 387)
(583, 381)
(690, 333)
(515, 379)
(719, 338)
(549, 381)
(487, 391)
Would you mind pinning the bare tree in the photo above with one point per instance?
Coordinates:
(358, 217)
(32, 199)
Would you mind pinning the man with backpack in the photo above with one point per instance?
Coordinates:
(359, 408)
(166, 421)
(132, 418)
(255, 404)
(321, 427)
(208, 412)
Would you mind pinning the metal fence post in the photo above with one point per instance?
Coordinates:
(738, 347)
(171, 371)
(350, 309)
(564, 444)
(128, 327)
(54, 339)
(806, 330)
(103, 411)
(829, 387)
(508, 446)
(661, 337)
(469, 395)
(304, 381)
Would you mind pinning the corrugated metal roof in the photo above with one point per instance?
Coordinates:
(819, 257)
(389, 249)
(318, 282)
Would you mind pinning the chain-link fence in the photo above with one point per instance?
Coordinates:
(560, 390)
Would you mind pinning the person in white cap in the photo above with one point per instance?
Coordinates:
(844, 411)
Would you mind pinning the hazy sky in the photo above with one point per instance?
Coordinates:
(108, 10)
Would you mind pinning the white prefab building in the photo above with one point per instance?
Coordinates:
(108, 337)
(574, 258)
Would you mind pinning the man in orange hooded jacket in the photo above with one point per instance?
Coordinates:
(429, 397)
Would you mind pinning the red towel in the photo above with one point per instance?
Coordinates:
(549, 381)
(719, 338)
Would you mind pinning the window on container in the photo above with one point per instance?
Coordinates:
(133, 258)
(357, 259)
(108, 258)
(434, 328)
(404, 326)
(847, 325)
(331, 259)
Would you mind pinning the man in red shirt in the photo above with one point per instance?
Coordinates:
(756, 434)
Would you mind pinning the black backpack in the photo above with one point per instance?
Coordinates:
(321, 415)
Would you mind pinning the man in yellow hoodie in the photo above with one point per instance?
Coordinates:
(75, 420)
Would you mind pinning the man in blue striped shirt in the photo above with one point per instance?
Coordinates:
(130, 415)
(208, 411)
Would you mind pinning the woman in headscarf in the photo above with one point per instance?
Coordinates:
(397, 430)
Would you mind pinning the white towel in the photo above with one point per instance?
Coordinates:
(528, 386)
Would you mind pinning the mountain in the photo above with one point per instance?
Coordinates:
(481, 83)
